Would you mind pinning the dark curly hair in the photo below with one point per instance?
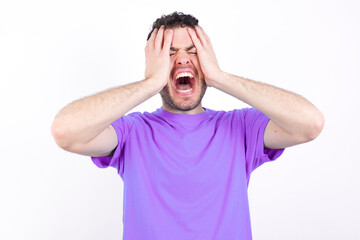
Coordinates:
(173, 20)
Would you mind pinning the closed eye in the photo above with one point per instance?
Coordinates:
(192, 53)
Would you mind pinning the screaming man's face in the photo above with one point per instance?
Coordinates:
(186, 85)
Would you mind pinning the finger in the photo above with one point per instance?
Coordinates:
(194, 38)
(159, 38)
(202, 36)
(152, 37)
(168, 39)
(206, 36)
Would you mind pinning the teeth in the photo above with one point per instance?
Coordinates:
(184, 74)
(184, 91)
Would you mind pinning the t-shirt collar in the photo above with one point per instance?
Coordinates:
(178, 116)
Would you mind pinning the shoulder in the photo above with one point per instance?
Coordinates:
(240, 114)
(138, 119)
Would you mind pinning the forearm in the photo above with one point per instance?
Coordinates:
(291, 112)
(84, 119)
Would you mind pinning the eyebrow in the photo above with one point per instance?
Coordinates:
(187, 49)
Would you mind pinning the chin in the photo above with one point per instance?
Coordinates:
(185, 104)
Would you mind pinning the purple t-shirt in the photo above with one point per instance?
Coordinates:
(186, 176)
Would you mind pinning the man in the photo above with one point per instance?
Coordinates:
(185, 168)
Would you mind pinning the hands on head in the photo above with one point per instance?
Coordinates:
(206, 55)
(157, 56)
(157, 53)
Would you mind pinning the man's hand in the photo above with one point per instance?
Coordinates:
(206, 54)
(157, 54)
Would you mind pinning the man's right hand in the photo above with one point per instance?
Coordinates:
(157, 54)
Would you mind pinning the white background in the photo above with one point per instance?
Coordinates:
(53, 52)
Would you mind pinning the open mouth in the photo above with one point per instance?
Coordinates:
(184, 82)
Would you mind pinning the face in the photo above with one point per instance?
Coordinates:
(186, 85)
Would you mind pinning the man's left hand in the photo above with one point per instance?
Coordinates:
(206, 55)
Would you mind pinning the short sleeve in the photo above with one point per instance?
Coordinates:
(256, 154)
(122, 127)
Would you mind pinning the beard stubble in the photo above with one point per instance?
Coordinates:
(170, 103)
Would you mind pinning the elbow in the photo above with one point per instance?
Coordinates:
(60, 136)
(315, 128)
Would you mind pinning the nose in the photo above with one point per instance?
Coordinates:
(182, 59)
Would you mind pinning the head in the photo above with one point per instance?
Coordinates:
(186, 84)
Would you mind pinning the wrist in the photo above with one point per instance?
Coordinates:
(218, 79)
(153, 85)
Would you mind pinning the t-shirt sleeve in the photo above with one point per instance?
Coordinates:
(122, 127)
(256, 154)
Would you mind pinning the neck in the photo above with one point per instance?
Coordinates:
(198, 109)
